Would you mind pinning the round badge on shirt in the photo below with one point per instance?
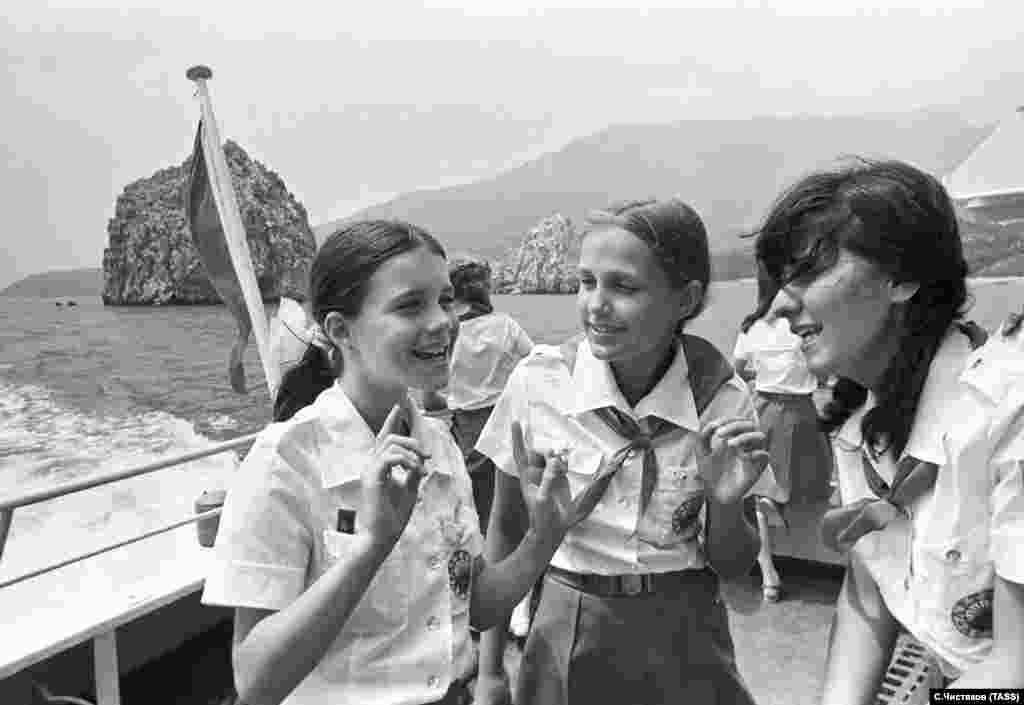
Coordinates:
(685, 519)
(972, 615)
(460, 573)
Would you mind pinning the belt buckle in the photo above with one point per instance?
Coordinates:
(632, 585)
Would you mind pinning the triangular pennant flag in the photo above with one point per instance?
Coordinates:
(219, 236)
(209, 239)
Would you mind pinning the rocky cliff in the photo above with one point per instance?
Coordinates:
(545, 262)
(150, 258)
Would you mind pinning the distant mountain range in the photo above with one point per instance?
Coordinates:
(729, 170)
(59, 283)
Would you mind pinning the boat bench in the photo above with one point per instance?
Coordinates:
(88, 601)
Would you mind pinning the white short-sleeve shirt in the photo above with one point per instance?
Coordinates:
(556, 408)
(487, 349)
(936, 568)
(778, 361)
(279, 533)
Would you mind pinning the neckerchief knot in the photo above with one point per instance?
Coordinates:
(639, 441)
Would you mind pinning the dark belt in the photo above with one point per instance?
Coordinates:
(631, 585)
(785, 396)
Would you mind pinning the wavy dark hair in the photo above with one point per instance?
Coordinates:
(338, 280)
(471, 281)
(767, 288)
(675, 234)
(903, 221)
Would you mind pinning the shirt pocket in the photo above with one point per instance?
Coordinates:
(384, 606)
(675, 514)
(953, 583)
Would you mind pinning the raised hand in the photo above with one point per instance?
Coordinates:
(741, 438)
(553, 510)
(391, 480)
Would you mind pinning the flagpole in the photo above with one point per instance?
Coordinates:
(231, 222)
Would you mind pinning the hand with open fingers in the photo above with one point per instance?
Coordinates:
(741, 438)
(545, 485)
(391, 481)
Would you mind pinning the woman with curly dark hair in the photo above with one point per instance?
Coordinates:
(926, 429)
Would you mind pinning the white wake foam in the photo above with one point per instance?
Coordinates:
(43, 443)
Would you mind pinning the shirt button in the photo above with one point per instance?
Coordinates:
(624, 501)
(631, 455)
(435, 562)
(433, 681)
(953, 555)
(433, 624)
(419, 499)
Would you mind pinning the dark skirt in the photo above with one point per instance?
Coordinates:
(665, 649)
(466, 427)
(801, 457)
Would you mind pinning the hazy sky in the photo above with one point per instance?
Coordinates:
(354, 102)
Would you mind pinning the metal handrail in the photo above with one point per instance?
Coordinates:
(106, 549)
(14, 500)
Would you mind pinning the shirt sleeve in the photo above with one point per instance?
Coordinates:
(522, 343)
(264, 542)
(1007, 503)
(1007, 538)
(495, 439)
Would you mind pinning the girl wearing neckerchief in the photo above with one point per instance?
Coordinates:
(926, 429)
(349, 546)
(630, 609)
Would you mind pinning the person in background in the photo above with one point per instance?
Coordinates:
(769, 353)
(926, 426)
(349, 545)
(630, 610)
(489, 346)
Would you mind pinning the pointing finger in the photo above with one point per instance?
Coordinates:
(554, 470)
(518, 446)
(392, 423)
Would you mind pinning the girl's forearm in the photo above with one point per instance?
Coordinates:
(860, 643)
(282, 649)
(505, 531)
(501, 585)
(732, 542)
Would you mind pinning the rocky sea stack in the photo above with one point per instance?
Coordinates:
(545, 262)
(150, 258)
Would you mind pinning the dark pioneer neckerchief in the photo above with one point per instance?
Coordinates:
(730, 552)
(841, 527)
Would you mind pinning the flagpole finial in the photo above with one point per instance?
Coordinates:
(199, 73)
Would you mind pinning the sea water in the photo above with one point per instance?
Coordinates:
(90, 389)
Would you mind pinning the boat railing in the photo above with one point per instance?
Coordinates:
(102, 634)
(23, 499)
